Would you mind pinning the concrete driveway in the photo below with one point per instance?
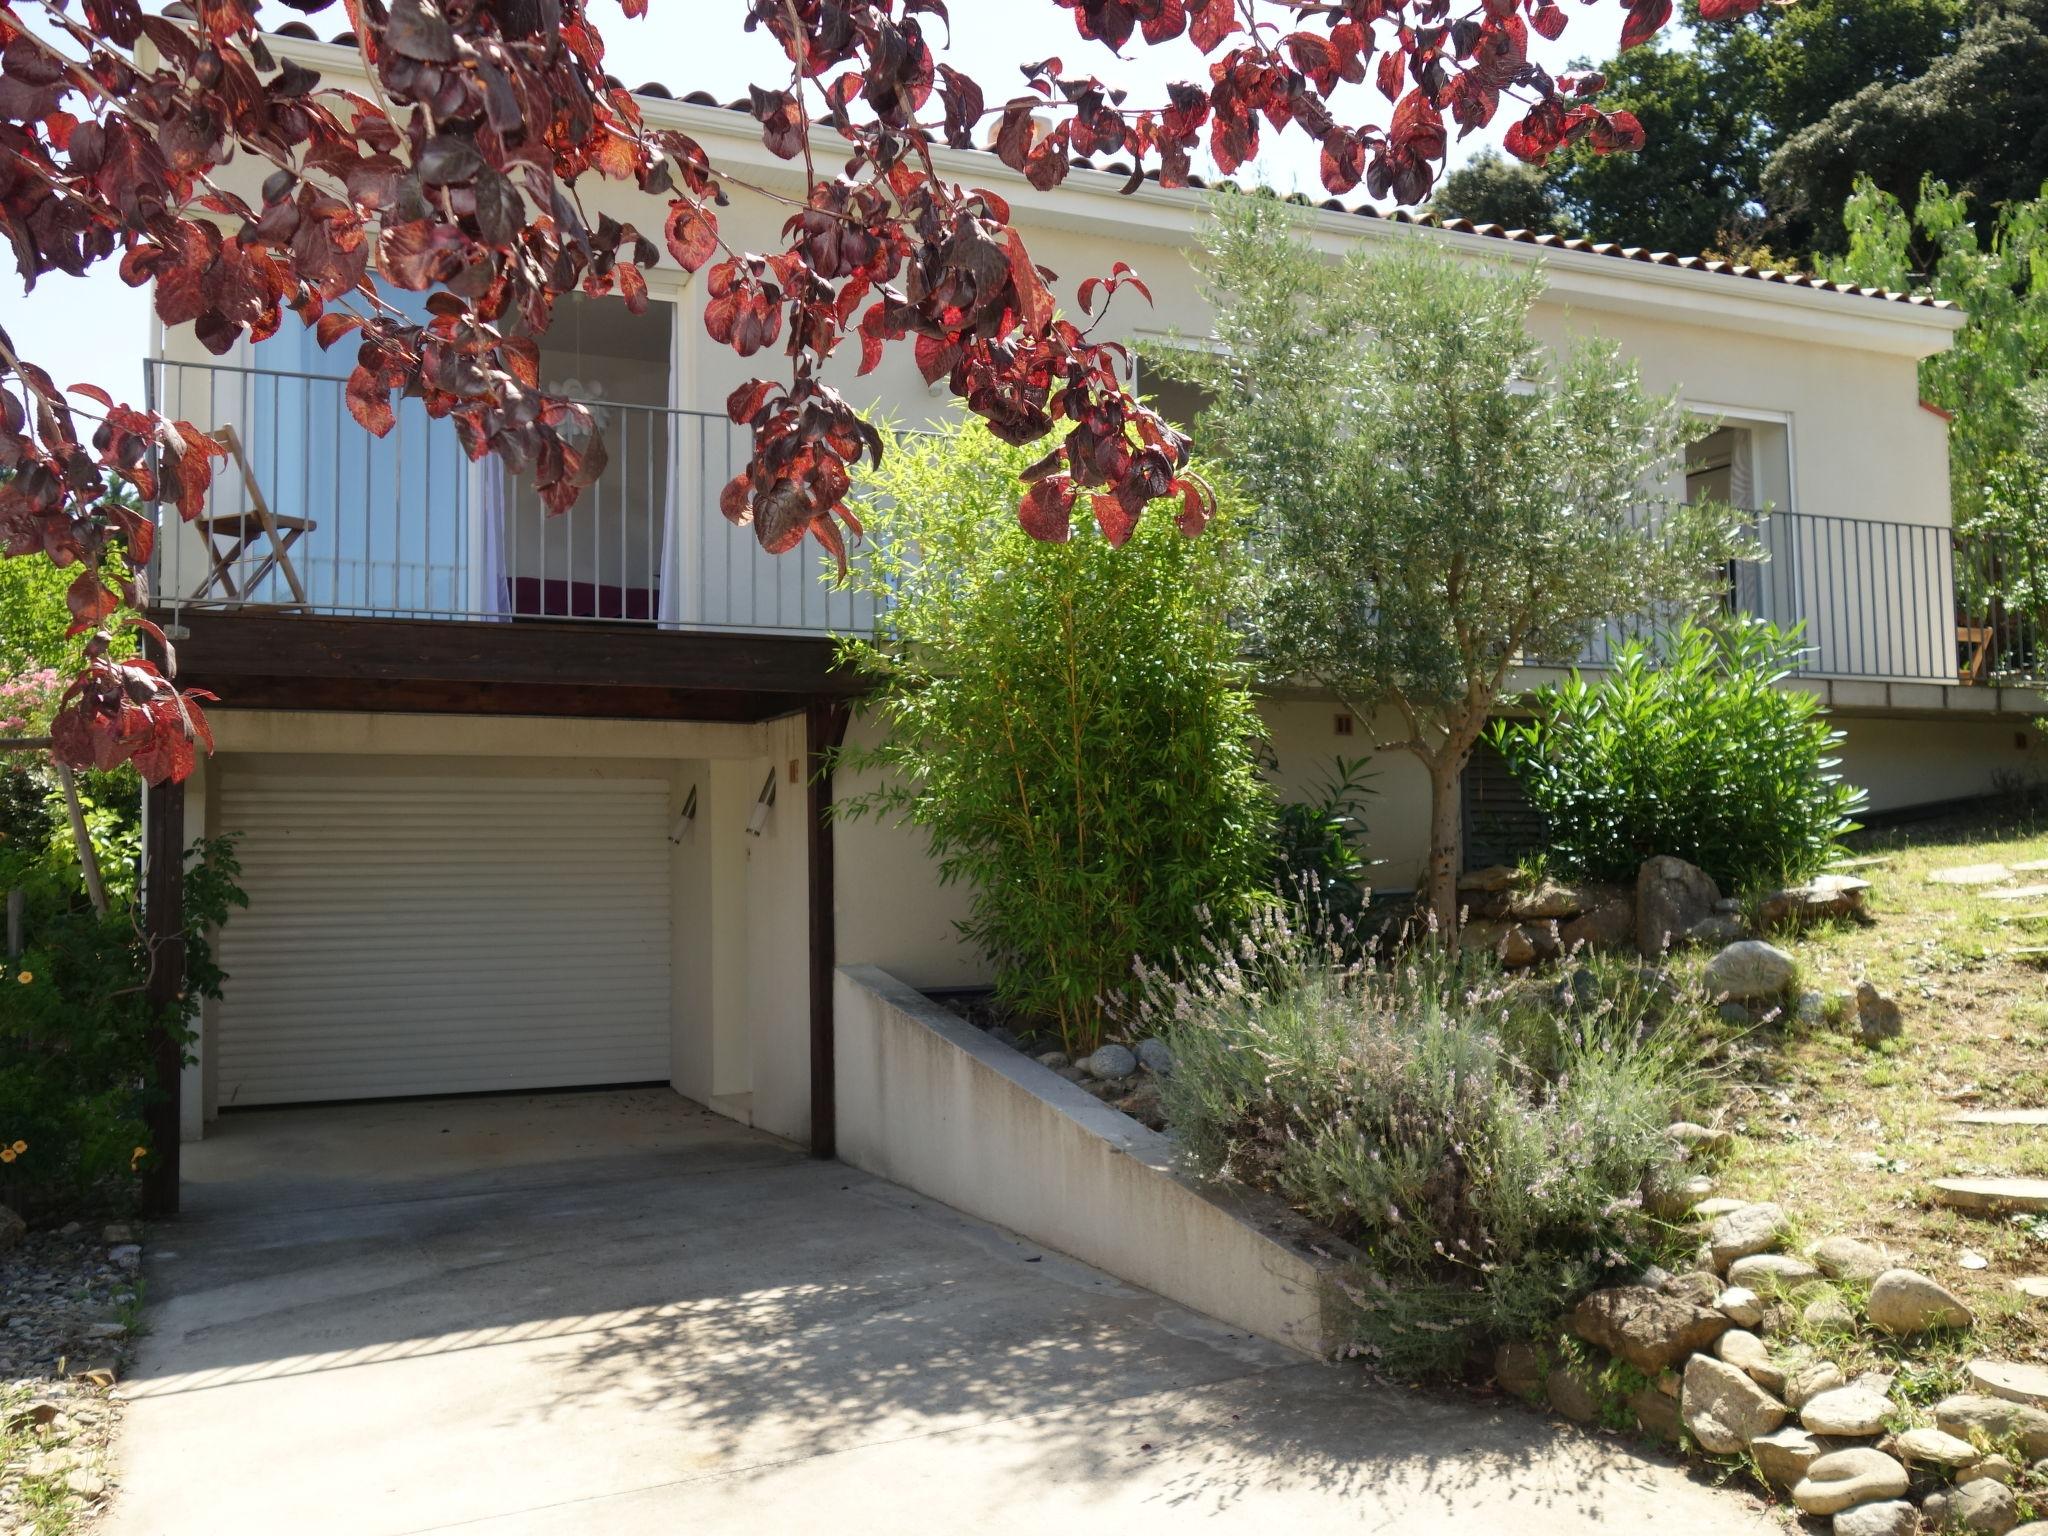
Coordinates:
(619, 1313)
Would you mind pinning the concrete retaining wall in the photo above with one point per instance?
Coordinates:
(929, 1101)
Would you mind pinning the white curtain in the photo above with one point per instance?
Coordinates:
(669, 608)
(490, 593)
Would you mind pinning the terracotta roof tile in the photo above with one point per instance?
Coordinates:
(1547, 240)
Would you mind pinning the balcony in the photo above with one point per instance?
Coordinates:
(333, 521)
(406, 527)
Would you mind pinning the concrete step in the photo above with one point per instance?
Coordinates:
(1995, 1195)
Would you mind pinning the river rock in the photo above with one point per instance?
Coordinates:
(1701, 1287)
(1849, 1412)
(1934, 1448)
(1981, 1504)
(1111, 1062)
(1828, 1314)
(1752, 1229)
(1741, 1306)
(1878, 1018)
(1886, 1517)
(1903, 1301)
(1806, 1382)
(1784, 1455)
(1519, 1369)
(1657, 1415)
(1975, 1417)
(1746, 1352)
(1723, 1408)
(1771, 1272)
(1572, 1394)
(1671, 896)
(1155, 1055)
(1749, 970)
(1842, 1479)
(1646, 1327)
(2014, 1382)
(1849, 1258)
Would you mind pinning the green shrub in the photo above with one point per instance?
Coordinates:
(1687, 747)
(1070, 724)
(76, 1038)
(1485, 1148)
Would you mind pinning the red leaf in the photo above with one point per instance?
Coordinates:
(1197, 505)
(1548, 20)
(1393, 64)
(692, 234)
(90, 602)
(1047, 510)
(744, 403)
(330, 328)
(1214, 20)
(1646, 19)
(1034, 299)
(1116, 521)
(370, 402)
(1728, 10)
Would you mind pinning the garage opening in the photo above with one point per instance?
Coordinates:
(425, 933)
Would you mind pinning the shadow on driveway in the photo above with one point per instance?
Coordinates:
(620, 1313)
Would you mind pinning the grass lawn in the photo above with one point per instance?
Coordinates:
(1846, 1136)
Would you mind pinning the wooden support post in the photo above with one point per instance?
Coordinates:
(824, 728)
(163, 922)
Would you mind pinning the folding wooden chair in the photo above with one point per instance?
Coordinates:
(232, 536)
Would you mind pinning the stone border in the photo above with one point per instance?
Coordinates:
(929, 1101)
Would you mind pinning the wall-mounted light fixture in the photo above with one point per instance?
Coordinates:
(686, 818)
(763, 804)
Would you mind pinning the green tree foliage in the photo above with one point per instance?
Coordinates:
(1716, 112)
(1997, 364)
(1437, 496)
(1974, 115)
(1069, 723)
(1687, 747)
(1492, 189)
(1693, 185)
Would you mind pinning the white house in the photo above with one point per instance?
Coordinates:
(528, 804)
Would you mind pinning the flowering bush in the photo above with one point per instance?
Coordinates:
(1487, 1148)
(27, 701)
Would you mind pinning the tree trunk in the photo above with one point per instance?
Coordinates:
(1445, 839)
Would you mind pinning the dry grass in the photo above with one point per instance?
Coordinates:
(1846, 1137)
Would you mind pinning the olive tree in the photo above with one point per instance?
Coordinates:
(1438, 498)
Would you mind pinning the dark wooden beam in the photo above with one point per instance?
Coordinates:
(163, 923)
(824, 728)
(222, 646)
(378, 696)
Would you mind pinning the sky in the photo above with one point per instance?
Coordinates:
(96, 328)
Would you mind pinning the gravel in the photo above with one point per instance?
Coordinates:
(63, 1300)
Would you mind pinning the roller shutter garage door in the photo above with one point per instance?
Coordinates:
(443, 934)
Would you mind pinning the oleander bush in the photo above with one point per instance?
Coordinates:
(1688, 747)
(1484, 1142)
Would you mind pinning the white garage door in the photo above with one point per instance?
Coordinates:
(429, 934)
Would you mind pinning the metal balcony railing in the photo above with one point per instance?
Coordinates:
(1877, 598)
(405, 526)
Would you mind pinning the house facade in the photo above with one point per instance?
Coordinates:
(533, 803)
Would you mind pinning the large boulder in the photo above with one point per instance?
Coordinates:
(1843, 1479)
(1990, 1420)
(1754, 1228)
(1749, 971)
(1672, 897)
(1646, 1327)
(1607, 922)
(1518, 1368)
(1903, 1301)
(1723, 1408)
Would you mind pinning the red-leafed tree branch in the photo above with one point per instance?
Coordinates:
(459, 175)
